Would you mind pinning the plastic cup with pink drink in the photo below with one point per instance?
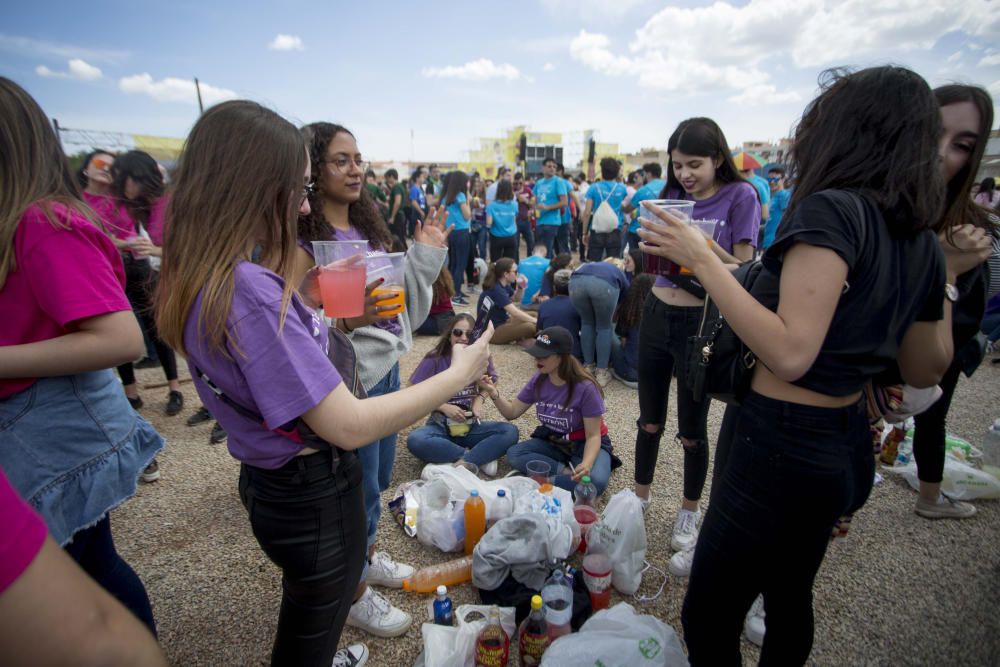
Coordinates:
(342, 276)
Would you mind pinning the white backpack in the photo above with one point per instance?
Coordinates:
(605, 219)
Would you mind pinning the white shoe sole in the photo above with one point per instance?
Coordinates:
(386, 633)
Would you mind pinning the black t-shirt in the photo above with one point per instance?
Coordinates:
(891, 282)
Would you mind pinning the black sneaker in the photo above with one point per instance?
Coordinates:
(175, 403)
(218, 434)
(151, 473)
(136, 402)
(200, 417)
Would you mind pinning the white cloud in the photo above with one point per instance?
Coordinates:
(591, 8)
(476, 70)
(593, 50)
(548, 67)
(78, 69)
(954, 58)
(990, 60)
(763, 94)
(286, 43)
(172, 89)
(33, 47)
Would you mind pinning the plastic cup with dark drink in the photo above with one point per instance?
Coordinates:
(661, 266)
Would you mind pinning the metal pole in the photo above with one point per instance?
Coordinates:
(55, 125)
(197, 87)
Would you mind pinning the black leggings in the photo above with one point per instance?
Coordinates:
(311, 524)
(929, 434)
(93, 549)
(140, 283)
(663, 335)
(503, 246)
(792, 472)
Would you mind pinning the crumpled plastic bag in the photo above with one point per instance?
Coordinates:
(461, 480)
(441, 518)
(960, 481)
(621, 530)
(618, 637)
(446, 646)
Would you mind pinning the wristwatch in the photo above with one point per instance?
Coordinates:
(950, 292)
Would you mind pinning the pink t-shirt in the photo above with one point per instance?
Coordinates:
(22, 533)
(112, 215)
(62, 275)
(157, 216)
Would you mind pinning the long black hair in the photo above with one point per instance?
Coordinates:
(362, 214)
(141, 168)
(702, 137)
(875, 131)
(959, 207)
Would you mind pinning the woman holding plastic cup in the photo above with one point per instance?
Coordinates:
(454, 431)
(703, 179)
(572, 438)
(340, 209)
(260, 349)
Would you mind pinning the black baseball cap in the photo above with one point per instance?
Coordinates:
(552, 340)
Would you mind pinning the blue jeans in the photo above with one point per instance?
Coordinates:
(485, 442)
(524, 229)
(562, 238)
(620, 362)
(377, 459)
(479, 240)
(546, 234)
(595, 299)
(459, 245)
(991, 327)
(536, 449)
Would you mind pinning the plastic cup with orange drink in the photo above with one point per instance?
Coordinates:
(391, 268)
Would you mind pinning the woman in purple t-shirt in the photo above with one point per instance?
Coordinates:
(454, 431)
(263, 347)
(573, 438)
(701, 169)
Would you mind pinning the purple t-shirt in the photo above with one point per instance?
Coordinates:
(736, 209)
(279, 374)
(549, 399)
(431, 365)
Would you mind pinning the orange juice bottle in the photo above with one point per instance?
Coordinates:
(475, 520)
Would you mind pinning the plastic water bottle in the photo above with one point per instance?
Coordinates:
(991, 450)
(557, 594)
(585, 493)
(475, 520)
(443, 609)
(452, 573)
(533, 636)
(502, 507)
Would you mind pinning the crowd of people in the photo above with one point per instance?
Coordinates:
(875, 269)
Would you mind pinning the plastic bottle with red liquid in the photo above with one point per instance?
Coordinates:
(475, 520)
(492, 644)
(584, 508)
(533, 636)
(597, 575)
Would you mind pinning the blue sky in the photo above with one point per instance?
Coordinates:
(454, 71)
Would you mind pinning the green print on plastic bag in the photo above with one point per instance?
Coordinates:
(650, 648)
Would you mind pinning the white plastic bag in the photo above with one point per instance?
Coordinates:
(622, 531)
(446, 646)
(618, 637)
(461, 480)
(440, 518)
(557, 507)
(960, 482)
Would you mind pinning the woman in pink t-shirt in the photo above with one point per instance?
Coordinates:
(138, 184)
(72, 446)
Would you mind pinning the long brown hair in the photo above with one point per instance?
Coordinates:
(497, 269)
(572, 372)
(226, 199)
(959, 207)
(628, 314)
(363, 214)
(33, 170)
(875, 131)
(443, 285)
(443, 346)
(141, 168)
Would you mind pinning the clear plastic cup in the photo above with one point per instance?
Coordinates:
(391, 267)
(655, 264)
(539, 471)
(341, 276)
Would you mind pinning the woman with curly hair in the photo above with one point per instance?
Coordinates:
(341, 209)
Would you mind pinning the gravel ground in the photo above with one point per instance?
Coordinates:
(899, 590)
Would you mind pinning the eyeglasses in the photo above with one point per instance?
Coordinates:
(773, 179)
(307, 189)
(461, 333)
(342, 162)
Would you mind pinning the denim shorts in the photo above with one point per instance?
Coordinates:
(73, 448)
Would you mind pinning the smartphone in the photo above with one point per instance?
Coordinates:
(482, 319)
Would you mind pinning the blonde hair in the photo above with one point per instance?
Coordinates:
(33, 170)
(238, 184)
(614, 261)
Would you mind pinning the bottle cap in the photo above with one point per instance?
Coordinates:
(501, 493)
(536, 601)
(407, 585)
(585, 479)
(442, 590)
(474, 492)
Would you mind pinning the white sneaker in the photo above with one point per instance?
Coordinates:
(685, 530)
(753, 626)
(384, 571)
(355, 655)
(489, 469)
(680, 563)
(645, 502)
(374, 614)
(603, 377)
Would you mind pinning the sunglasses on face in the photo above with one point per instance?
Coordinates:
(461, 333)
(773, 179)
(101, 164)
